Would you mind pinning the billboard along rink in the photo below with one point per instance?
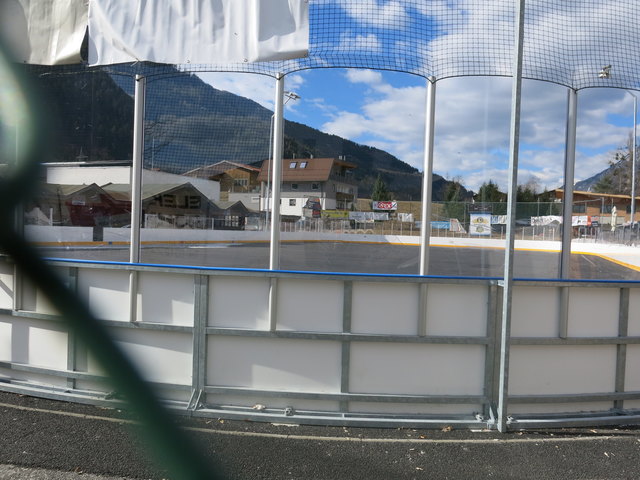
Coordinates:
(372, 258)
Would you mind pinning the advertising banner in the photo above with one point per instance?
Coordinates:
(480, 224)
(390, 205)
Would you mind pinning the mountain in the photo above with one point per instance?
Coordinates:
(189, 123)
(616, 179)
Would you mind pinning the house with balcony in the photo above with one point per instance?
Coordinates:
(238, 181)
(600, 206)
(327, 182)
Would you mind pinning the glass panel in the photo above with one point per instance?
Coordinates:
(203, 203)
(74, 215)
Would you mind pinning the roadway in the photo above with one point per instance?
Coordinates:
(44, 440)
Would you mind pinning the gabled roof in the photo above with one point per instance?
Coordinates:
(305, 169)
(66, 190)
(209, 171)
(598, 195)
(122, 191)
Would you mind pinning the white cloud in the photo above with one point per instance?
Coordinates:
(378, 13)
(363, 43)
(347, 125)
(369, 77)
(259, 88)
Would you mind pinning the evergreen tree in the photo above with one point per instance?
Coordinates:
(454, 206)
(380, 192)
(489, 193)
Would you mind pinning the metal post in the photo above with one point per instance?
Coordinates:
(347, 306)
(200, 320)
(633, 159)
(569, 166)
(567, 209)
(621, 348)
(276, 183)
(427, 190)
(136, 190)
(505, 331)
(427, 194)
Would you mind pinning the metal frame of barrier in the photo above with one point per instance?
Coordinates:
(376, 371)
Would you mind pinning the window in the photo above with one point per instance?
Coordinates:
(293, 164)
(292, 202)
(168, 200)
(294, 186)
(303, 164)
(579, 208)
(315, 186)
(242, 182)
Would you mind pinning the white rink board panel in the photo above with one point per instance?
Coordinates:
(457, 310)
(6, 285)
(417, 369)
(566, 369)
(106, 292)
(239, 302)
(593, 312)
(535, 311)
(385, 308)
(634, 312)
(632, 371)
(161, 356)
(274, 364)
(39, 343)
(310, 305)
(165, 298)
(34, 300)
(6, 338)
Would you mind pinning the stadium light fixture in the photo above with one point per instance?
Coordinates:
(291, 96)
(605, 72)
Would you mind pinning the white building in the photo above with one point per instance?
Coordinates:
(102, 173)
(327, 181)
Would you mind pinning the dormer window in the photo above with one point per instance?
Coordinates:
(293, 164)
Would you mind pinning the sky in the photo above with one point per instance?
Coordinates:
(566, 43)
(472, 120)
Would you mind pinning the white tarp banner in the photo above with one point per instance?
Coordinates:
(44, 32)
(197, 31)
(546, 220)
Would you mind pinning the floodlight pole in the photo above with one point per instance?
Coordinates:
(136, 189)
(569, 168)
(514, 145)
(634, 158)
(276, 182)
(427, 194)
(427, 189)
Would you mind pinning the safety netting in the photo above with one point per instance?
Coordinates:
(576, 43)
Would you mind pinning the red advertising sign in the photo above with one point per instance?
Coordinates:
(387, 205)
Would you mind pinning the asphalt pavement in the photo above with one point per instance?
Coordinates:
(363, 258)
(45, 439)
